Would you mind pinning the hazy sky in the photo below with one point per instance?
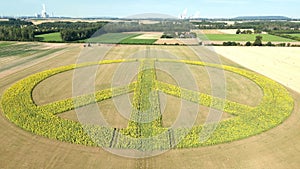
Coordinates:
(123, 8)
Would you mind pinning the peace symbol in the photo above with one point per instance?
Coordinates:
(19, 108)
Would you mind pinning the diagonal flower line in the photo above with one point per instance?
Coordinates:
(230, 107)
(72, 103)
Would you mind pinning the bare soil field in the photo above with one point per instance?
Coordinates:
(277, 148)
(148, 35)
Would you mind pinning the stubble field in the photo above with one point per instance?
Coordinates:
(276, 148)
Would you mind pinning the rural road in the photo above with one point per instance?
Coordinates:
(281, 64)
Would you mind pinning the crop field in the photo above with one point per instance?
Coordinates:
(12, 49)
(243, 37)
(14, 54)
(122, 38)
(112, 37)
(138, 41)
(280, 64)
(295, 34)
(50, 37)
(40, 128)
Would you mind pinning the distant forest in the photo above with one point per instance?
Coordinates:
(16, 30)
(266, 26)
(19, 30)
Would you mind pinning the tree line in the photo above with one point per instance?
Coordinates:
(16, 34)
(267, 26)
(19, 30)
(16, 30)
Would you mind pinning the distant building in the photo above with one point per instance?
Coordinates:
(38, 15)
(183, 15)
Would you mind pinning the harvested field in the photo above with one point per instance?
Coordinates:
(277, 148)
(209, 31)
(149, 35)
(280, 64)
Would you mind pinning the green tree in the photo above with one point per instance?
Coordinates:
(269, 44)
(238, 31)
(257, 31)
(249, 32)
(248, 44)
(258, 41)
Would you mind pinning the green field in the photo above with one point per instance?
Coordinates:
(244, 37)
(2, 44)
(50, 37)
(138, 41)
(13, 54)
(11, 49)
(295, 34)
(112, 37)
(120, 38)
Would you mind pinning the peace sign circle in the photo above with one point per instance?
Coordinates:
(141, 135)
(145, 110)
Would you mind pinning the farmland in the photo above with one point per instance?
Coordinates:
(50, 37)
(251, 152)
(276, 63)
(243, 37)
(13, 54)
(294, 34)
(123, 38)
(111, 37)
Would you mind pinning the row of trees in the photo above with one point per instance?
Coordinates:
(257, 42)
(162, 26)
(73, 35)
(59, 26)
(243, 32)
(267, 26)
(16, 30)
(15, 22)
(70, 31)
(13, 33)
(289, 34)
(258, 26)
(172, 34)
(210, 25)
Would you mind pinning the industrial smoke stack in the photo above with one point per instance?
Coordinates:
(44, 7)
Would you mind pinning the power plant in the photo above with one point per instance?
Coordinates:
(44, 13)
